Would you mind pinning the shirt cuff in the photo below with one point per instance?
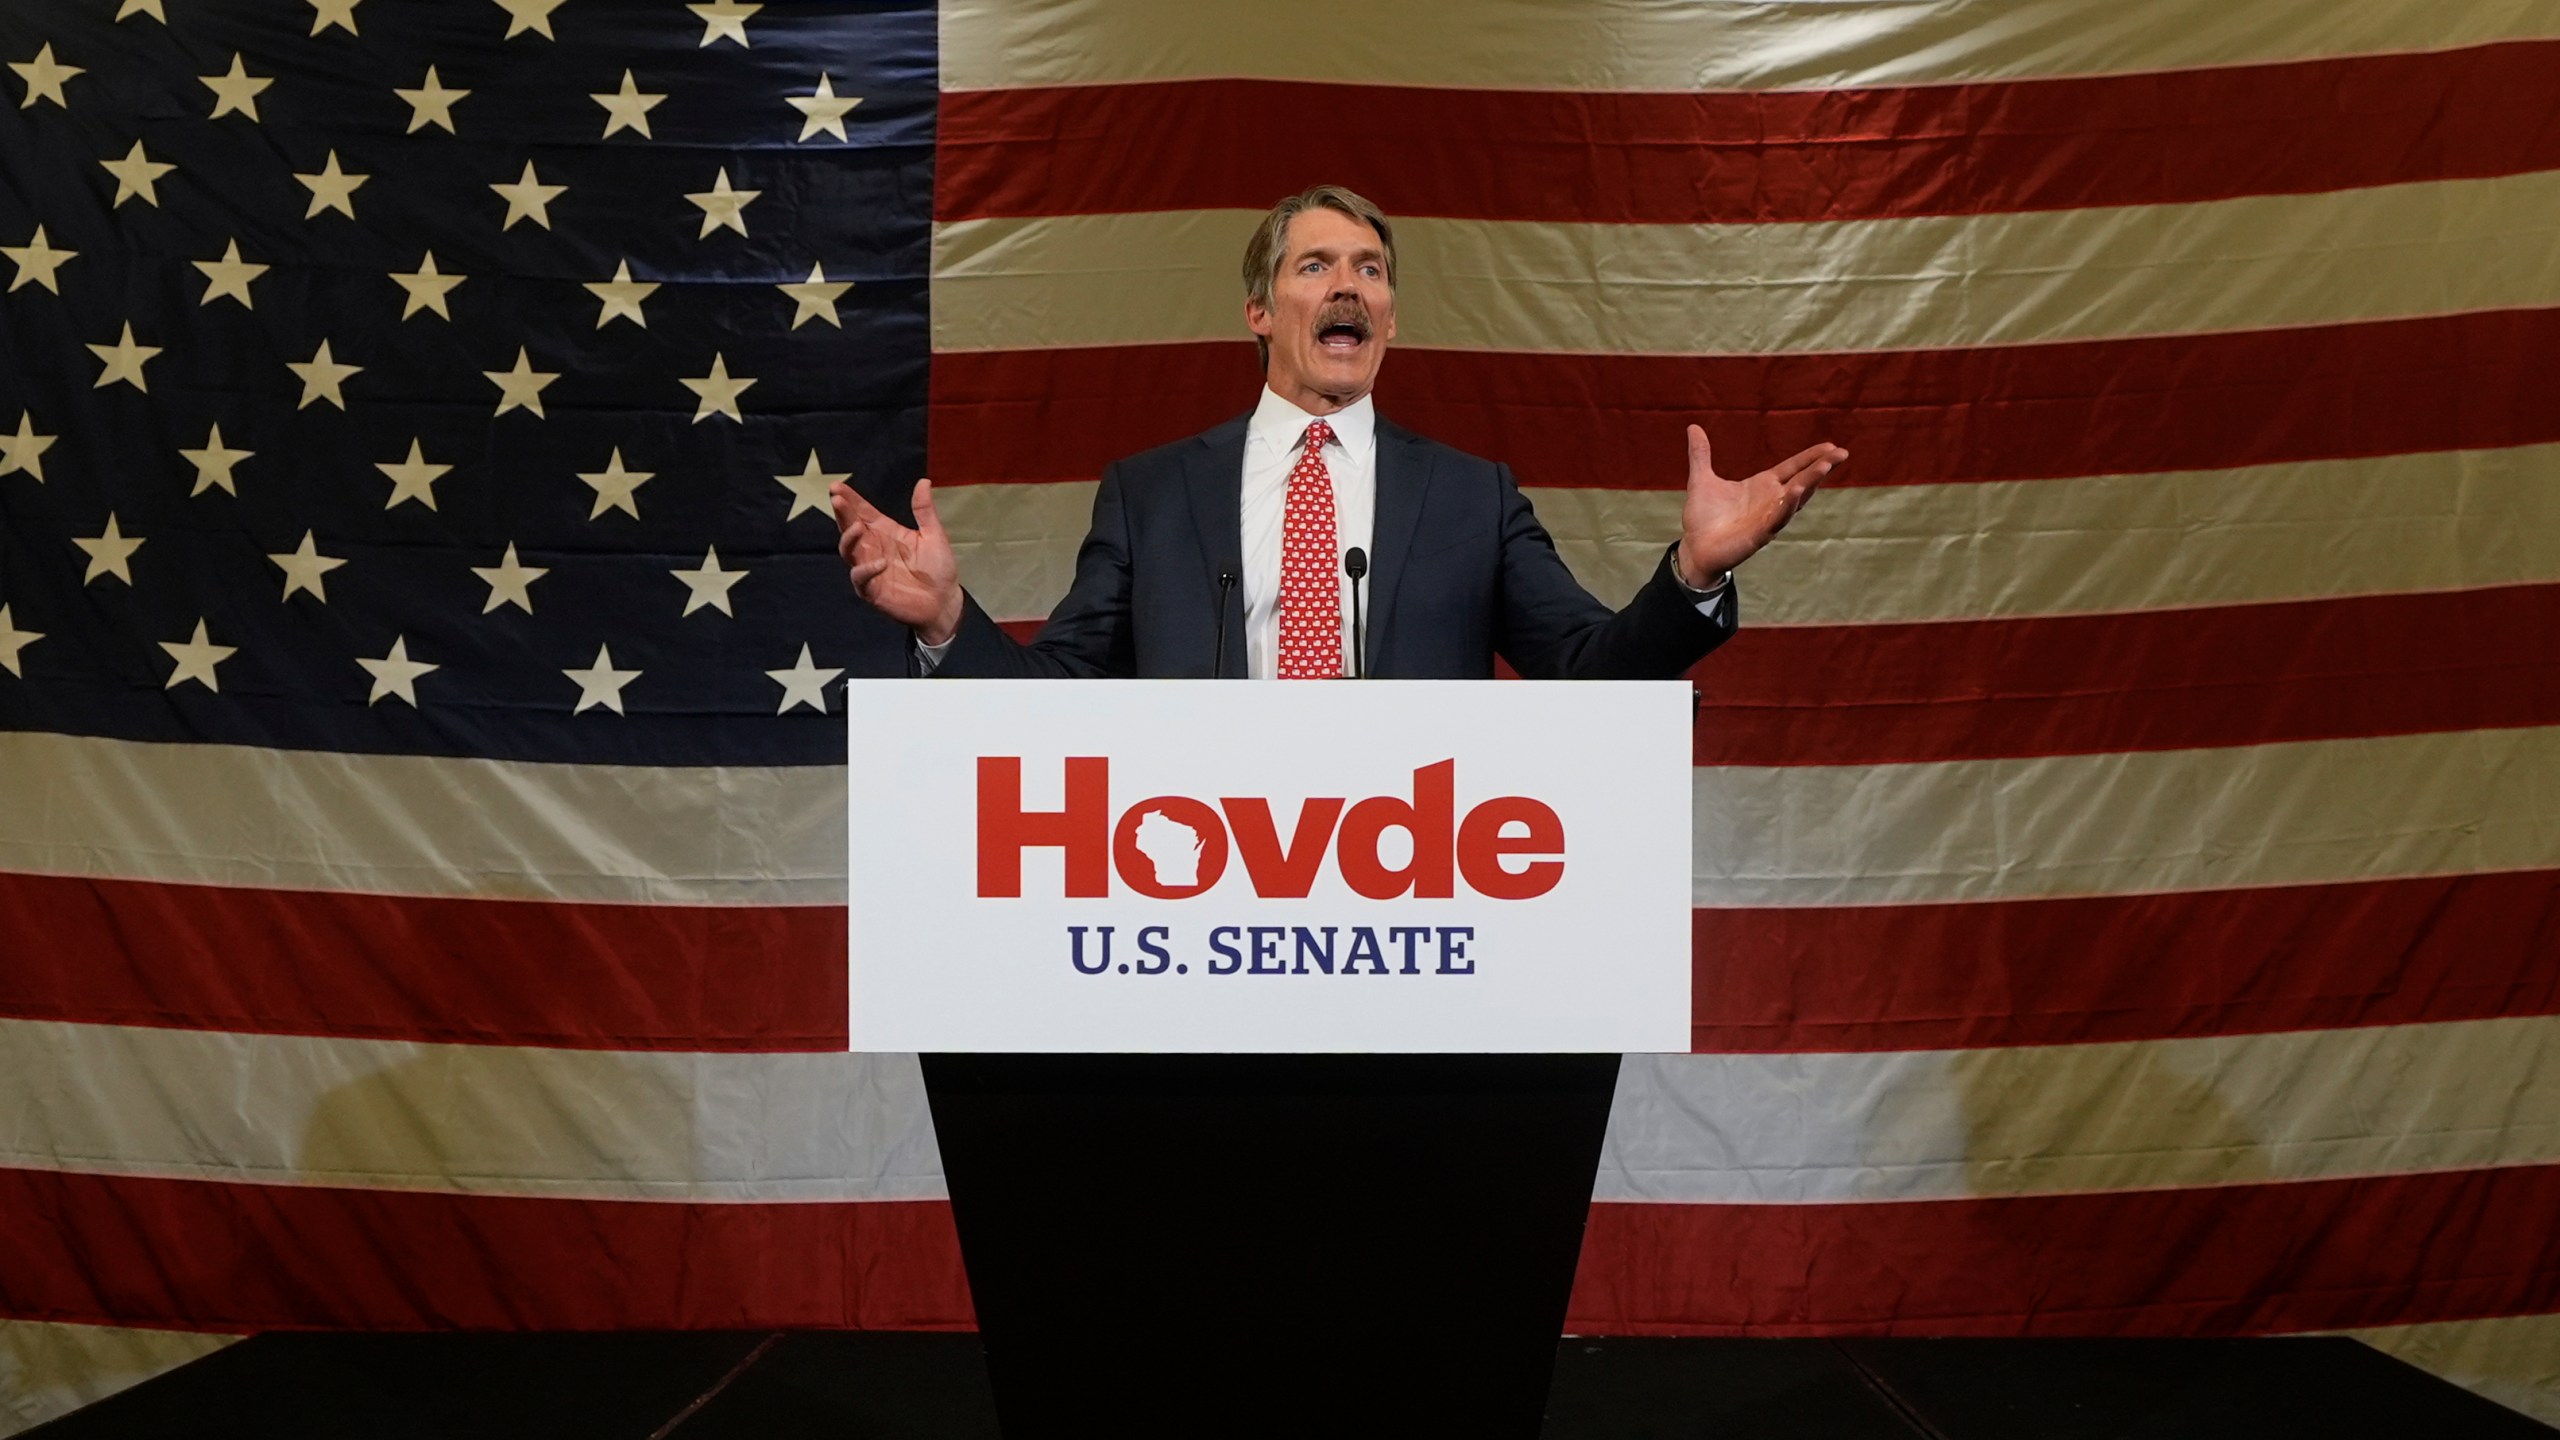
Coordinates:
(1709, 600)
(929, 657)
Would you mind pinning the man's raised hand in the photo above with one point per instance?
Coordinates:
(1725, 522)
(908, 575)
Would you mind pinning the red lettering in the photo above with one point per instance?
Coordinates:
(1144, 859)
(1430, 818)
(1005, 829)
(1279, 874)
(1482, 846)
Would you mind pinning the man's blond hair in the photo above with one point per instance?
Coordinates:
(1270, 242)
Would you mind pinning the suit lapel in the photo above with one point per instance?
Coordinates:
(1404, 476)
(1213, 479)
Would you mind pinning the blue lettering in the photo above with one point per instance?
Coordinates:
(1151, 941)
(1266, 946)
(1307, 946)
(1411, 935)
(1453, 949)
(1364, 946)
(1223, 942)
(1075, 937)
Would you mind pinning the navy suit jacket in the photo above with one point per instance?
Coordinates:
(1460, 571)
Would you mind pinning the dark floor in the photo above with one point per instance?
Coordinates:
(934, 1387)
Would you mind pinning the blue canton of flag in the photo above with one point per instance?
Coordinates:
(455, 378)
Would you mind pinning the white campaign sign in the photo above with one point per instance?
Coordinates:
(1165, 865)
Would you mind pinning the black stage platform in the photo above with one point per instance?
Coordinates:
(722, 1386)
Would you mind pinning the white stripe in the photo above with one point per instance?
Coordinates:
(1881, 554)
(2290, 814)
(48, 1370)
(598, 1124)
(1685, 45)
(398, 824)
(1934, 282)
(1947, 1124)
(2512, 1359)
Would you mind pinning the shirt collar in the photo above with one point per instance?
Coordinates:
(1279, 424)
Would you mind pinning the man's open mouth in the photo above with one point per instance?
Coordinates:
(1338, 332)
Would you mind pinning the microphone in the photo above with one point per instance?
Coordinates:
(1226, 587)
(1355, 563)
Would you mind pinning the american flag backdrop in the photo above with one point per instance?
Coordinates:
(2128, 824)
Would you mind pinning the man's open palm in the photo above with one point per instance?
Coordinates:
(909, 575)
(1724, 522)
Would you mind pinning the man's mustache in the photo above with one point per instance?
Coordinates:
(1344, 312)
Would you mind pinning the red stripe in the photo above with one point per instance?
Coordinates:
(195, 1254)
(2363, 665)
(1817, 155)
(2238, 1259)
(2126, 967)
(2016, 412)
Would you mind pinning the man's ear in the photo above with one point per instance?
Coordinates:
(1257, 317)
(1391, 319)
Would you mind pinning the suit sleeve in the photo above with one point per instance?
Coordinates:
(1553, 629)
(1086, 637)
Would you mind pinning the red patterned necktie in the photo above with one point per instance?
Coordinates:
(1310, 592)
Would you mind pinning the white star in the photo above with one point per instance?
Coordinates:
(123, 360)
(37, 261)
(136, 174)
(341, 13)
(331, 189)
(396, 673)
(823, 109)
(804, 684)
(44, 76)
(809, 488)
(229, 276)
(143, 7)
(817, 297)
(412, 479)
(304, 568)
(25, 450)
(236, 89)
(13, 640)
(622, 296)
(719, 393)
(600, 683)
(213, 463)
(710, 584)
(427, 286)
(510, 582)
(614, 486)
(521, 388)
(627, 108)
(528, 198)
(109, 552)
(321, 377)
(430, 104)
(724, 19)
(722, 207)
(196, 658)
(523, 15)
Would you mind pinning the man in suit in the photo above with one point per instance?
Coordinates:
(1273, 502)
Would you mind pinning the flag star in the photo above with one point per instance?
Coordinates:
(229, 276)
(614, 486)
(136, 174)
(25, 450)
(44, 76)
(521, 388)
(719, 393)
(123, 360)
(304, 566)
(236, 89)
(622, 296)
(109, 552)
(213, 463)
(341, 13)
(13, 640)
(322, 376)
(600, 683)
(710, 584)
(627, 108)
(723, 207)
(804, 684)
(823, 109)
(817, 297)
(331, 189)
(196, 658)
(809, 488)
(510, 582)
(37, 261)
(143, 7)
(523, 15)
(526, 197)
(724, 19)
(412, 479)
(396, 673)
(430, 104)
(427, 286)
